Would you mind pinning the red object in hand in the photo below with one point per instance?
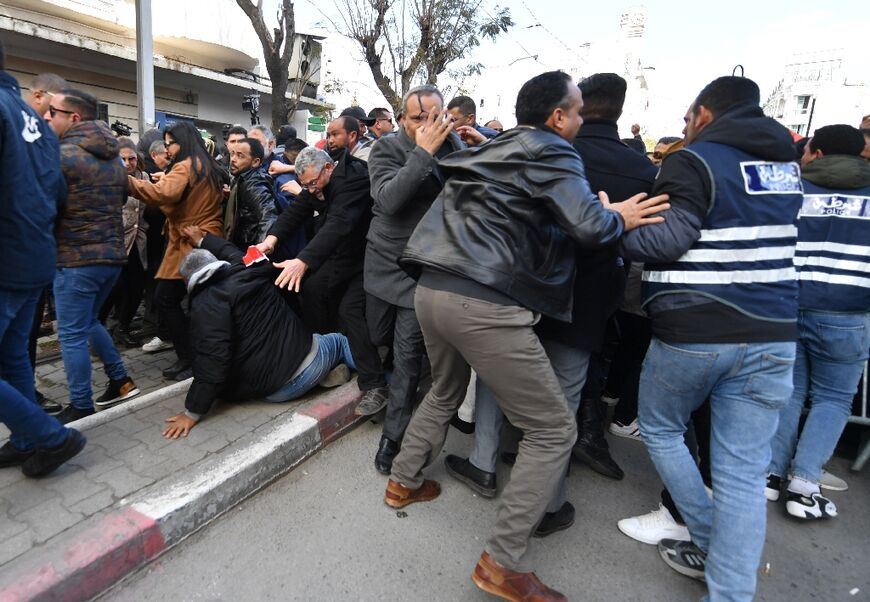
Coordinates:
(254, 255)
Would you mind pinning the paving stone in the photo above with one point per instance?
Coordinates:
(213, 444)
(10, 475)
(95, 461)
(130, 424)
(49, 518)
(95, 503)
(140, 458)
(164, 469)
(15, 546)
(10, 527)
(113, 441)
(25, 494)
(230, 428)
(75, 489)
(123, 481)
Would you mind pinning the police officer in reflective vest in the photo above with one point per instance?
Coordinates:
(721, 291)
(833, 261)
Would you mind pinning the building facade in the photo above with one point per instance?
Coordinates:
(207, 58)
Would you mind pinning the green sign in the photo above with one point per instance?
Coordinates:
(316, 128)
(315, 120)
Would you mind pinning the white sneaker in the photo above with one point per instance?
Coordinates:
(629, 431)
(809, 507)
(156, 344)
(832, 482)
(653, 527)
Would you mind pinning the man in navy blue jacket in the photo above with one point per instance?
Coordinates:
(31, 188)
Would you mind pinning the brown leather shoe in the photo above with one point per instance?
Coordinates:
(492, 577)
(399, 496)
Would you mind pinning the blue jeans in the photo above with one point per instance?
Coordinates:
(570, 366)
(332, 350)
(831, 351)
(29, 424)
(748, 385)
(79, 293)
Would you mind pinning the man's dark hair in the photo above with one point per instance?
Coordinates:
(237, 129)
(48, 82)
(542, 95)
(295, 145)
(257, 151)
(379, 113)
(840, 139)
(603, 96)
(81, 102)
(725, 92)
(668, 140)
(285, 132)
(465, 105)
(351, 124)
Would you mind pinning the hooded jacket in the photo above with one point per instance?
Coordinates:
(687, 317)
(31, 192)
(246, 340)
(507, 216)
(90, 228)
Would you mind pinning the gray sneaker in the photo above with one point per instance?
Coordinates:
(684, 557)
(373, 401)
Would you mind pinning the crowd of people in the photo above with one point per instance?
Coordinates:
(710, 288)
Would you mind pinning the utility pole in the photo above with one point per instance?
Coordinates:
(144, 65)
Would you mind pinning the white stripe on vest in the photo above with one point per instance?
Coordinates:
(834, 247)
(731, 277)
(734, 255)
(834, 278)
(837, 264)
(748, 233)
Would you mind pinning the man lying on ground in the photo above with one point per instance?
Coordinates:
(247, 342)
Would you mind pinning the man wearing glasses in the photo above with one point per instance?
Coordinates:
(380, 123)
(90, 248)
(332, 261)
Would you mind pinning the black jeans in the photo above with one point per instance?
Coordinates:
(635, 335)
(173, 322)
(327, 304)
(37, 324)
(127, 293)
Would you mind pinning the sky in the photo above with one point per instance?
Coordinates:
(686, 45)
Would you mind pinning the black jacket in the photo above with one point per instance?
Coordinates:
(688, 318)
(342, 222)
(611, 166)
(506, 217)
(255, 208)
(405, 180)
(246, 340)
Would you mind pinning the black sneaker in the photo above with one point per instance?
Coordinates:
(10, 456)
(70, 414)
(48, 406)
(118, 390)
(46, 460)
(373, 401)
(556, 521)
(773, 487)
(479, 480)
(684, 557)
(809, 507)
(124, 338)
(175, 369)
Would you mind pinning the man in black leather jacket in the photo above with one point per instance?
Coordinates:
(250, 211)
(494, 252)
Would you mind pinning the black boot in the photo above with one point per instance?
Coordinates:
(387, 451)
(173, 371)
(591, 446)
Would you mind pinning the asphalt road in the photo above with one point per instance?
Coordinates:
(323, 533)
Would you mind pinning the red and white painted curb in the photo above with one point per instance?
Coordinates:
(89, 558)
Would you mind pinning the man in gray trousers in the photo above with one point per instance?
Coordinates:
(494, 252)
(405, 180)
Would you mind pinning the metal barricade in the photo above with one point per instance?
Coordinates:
(864, 419)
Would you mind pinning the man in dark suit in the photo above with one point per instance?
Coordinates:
(339, 192)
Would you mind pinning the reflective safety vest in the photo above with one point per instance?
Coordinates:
(833, 249)
(744, 258)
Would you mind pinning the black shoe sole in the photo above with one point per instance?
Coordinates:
(474, 485)
(70, 448)
(555, 529)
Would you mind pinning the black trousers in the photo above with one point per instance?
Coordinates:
(328, 306)
(624, 380)
(127, 293)
(172, 321)
(37, 324)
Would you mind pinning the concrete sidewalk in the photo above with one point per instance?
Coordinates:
(131, 494)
